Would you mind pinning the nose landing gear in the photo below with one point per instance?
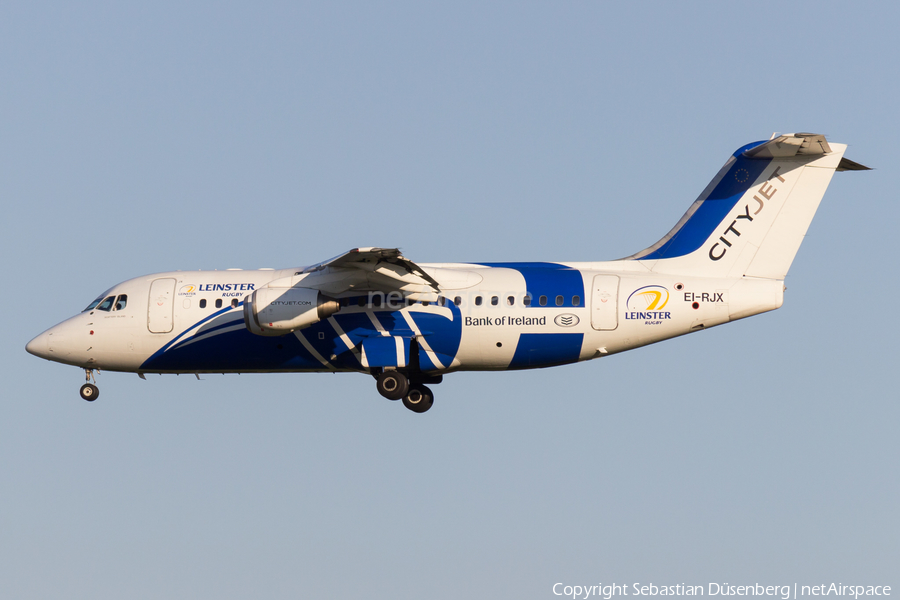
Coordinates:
(89, 391)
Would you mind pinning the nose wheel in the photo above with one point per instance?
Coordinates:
(89, 391)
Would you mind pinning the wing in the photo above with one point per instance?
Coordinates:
(369, 269)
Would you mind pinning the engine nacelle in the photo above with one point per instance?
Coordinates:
(279, 311)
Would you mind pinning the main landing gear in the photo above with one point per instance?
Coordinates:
(395, 385)
(418, 399)
(89, 391)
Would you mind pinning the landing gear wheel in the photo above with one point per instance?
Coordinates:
(90, 392)
(393, 385)
(419, 399)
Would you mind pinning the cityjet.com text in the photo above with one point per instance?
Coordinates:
(784, 592)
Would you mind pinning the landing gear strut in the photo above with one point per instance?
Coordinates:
(89, 391)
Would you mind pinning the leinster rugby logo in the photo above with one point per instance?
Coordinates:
(566, 320)
(647, 303)
(187, 290)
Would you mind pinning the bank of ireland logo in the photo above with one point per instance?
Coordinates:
(566, 320)
(648, 298)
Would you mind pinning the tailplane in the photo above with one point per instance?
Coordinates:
(752, 217)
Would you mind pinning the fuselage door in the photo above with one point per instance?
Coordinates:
(161, 305)
(604, 302)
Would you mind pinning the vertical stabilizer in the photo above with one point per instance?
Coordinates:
(752, 217)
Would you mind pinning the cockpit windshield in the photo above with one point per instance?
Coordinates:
(107, 304)
(97, 301)
(94, 304)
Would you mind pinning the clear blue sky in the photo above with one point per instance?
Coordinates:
(145, 137)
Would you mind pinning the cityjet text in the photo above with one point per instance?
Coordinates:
(767, 190)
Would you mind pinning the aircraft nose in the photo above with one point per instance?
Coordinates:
(39, 346)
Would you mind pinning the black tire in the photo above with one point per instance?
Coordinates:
(419, 399)
(90, 392)
(393, 385)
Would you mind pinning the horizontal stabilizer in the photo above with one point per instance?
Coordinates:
(791, 144)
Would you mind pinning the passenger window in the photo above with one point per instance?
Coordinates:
(107, 304)
(218, 303)
(203, 303)
(559, 300)
(542, 300)
(234, 303)
(477, 300)
(511, 300)
(121, 301)
(576, 300)
(458, 300)
(495, 300)
(526, 300)
(361, 301)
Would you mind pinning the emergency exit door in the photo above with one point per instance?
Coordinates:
(161, 305)
(605, 302)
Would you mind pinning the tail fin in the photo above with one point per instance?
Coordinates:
(752, 217)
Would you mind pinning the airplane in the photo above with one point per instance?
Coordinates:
(373, 311)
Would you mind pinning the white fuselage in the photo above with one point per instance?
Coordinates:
(577, 311)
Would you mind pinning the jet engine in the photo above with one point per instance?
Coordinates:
(279, 311)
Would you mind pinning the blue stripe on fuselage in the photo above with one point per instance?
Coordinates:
(238, 350)
(546, 350)
(548, 279)
(179, 337)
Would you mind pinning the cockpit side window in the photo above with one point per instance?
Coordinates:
(107, 304)
(121, 301)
